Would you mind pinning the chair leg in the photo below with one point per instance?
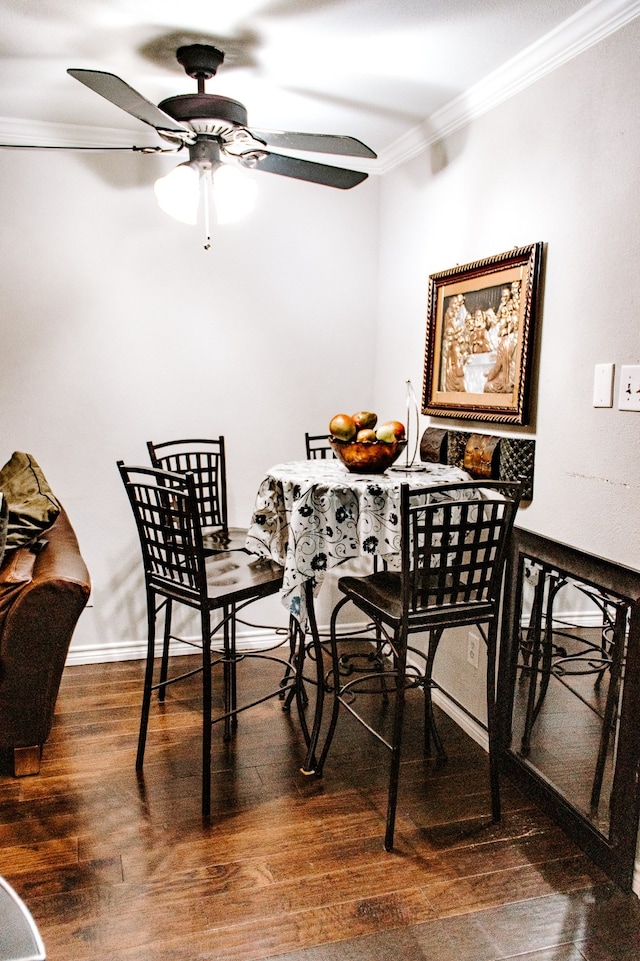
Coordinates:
(492, 720)
(291, 683)
(148, 678)
(534, 653)
(310, 763)
(228, 670)
(234, 667)
(400, 645)
(430, 728)
(335, 674)
(206, 713)
(164, 665)
(298, 644)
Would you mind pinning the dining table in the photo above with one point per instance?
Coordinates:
(313, 515)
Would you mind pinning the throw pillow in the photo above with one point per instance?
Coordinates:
(32, 507)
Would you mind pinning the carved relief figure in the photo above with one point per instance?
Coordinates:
(501, 376)
(479, 337)
(455, 356)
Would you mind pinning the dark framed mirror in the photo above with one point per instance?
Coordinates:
(569, 694)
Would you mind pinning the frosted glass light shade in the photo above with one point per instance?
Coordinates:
(178, 193)
(234, 194)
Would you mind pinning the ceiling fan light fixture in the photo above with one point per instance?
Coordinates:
(234, 194)
(178, 192)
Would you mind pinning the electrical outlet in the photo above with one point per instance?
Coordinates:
(473, 649)
(629, 396)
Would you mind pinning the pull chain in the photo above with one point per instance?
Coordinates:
(206, 199)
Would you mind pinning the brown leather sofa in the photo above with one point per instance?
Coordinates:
(43, 591)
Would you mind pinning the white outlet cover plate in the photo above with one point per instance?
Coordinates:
(629, 395)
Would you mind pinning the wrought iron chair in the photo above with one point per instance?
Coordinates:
(218, 584)
(206, 460)
(453, 550)
(317, 446)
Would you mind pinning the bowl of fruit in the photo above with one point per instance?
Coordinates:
(362, 447)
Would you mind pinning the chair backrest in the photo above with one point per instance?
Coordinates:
(165, 508)
(318, 447)
(454, 542)
(206, 460)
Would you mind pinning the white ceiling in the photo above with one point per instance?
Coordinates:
(374, 69)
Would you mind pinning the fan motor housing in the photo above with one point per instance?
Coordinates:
(205, 106)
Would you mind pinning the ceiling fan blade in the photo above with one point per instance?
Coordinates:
(315, 142)
(119, 93)
(80, 147)
(302, 169)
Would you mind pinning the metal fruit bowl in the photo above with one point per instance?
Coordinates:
(367, 457)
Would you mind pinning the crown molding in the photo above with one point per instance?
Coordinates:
(593, 23)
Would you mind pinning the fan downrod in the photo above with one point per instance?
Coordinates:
(201, 61)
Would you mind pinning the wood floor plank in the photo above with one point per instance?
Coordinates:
(25, 858)
(480, 891)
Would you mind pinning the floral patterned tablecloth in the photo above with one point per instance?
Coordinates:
(312, 515)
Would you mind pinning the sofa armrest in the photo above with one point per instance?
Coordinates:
(41, 598)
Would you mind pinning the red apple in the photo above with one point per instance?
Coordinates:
(390, 431)
(342, 427)
(365, 419)
(366, 436)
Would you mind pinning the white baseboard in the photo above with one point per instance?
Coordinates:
(133, 650)
(136, 650)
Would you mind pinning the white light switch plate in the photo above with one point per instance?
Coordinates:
(629, 396)
(603, 385)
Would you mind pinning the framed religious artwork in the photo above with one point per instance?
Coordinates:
(479, 344)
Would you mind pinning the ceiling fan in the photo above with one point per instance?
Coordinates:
(215, 131)
(212, 126)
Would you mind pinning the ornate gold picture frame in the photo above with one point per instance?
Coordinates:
(480, 326)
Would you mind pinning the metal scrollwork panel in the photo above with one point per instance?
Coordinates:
(570, 691)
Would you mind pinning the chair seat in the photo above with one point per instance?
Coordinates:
(229, 539)
(240, 576)
(380, 596)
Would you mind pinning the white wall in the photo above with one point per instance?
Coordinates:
(117, 327)
(558, 163)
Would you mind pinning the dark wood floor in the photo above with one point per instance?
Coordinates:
(113, 867)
